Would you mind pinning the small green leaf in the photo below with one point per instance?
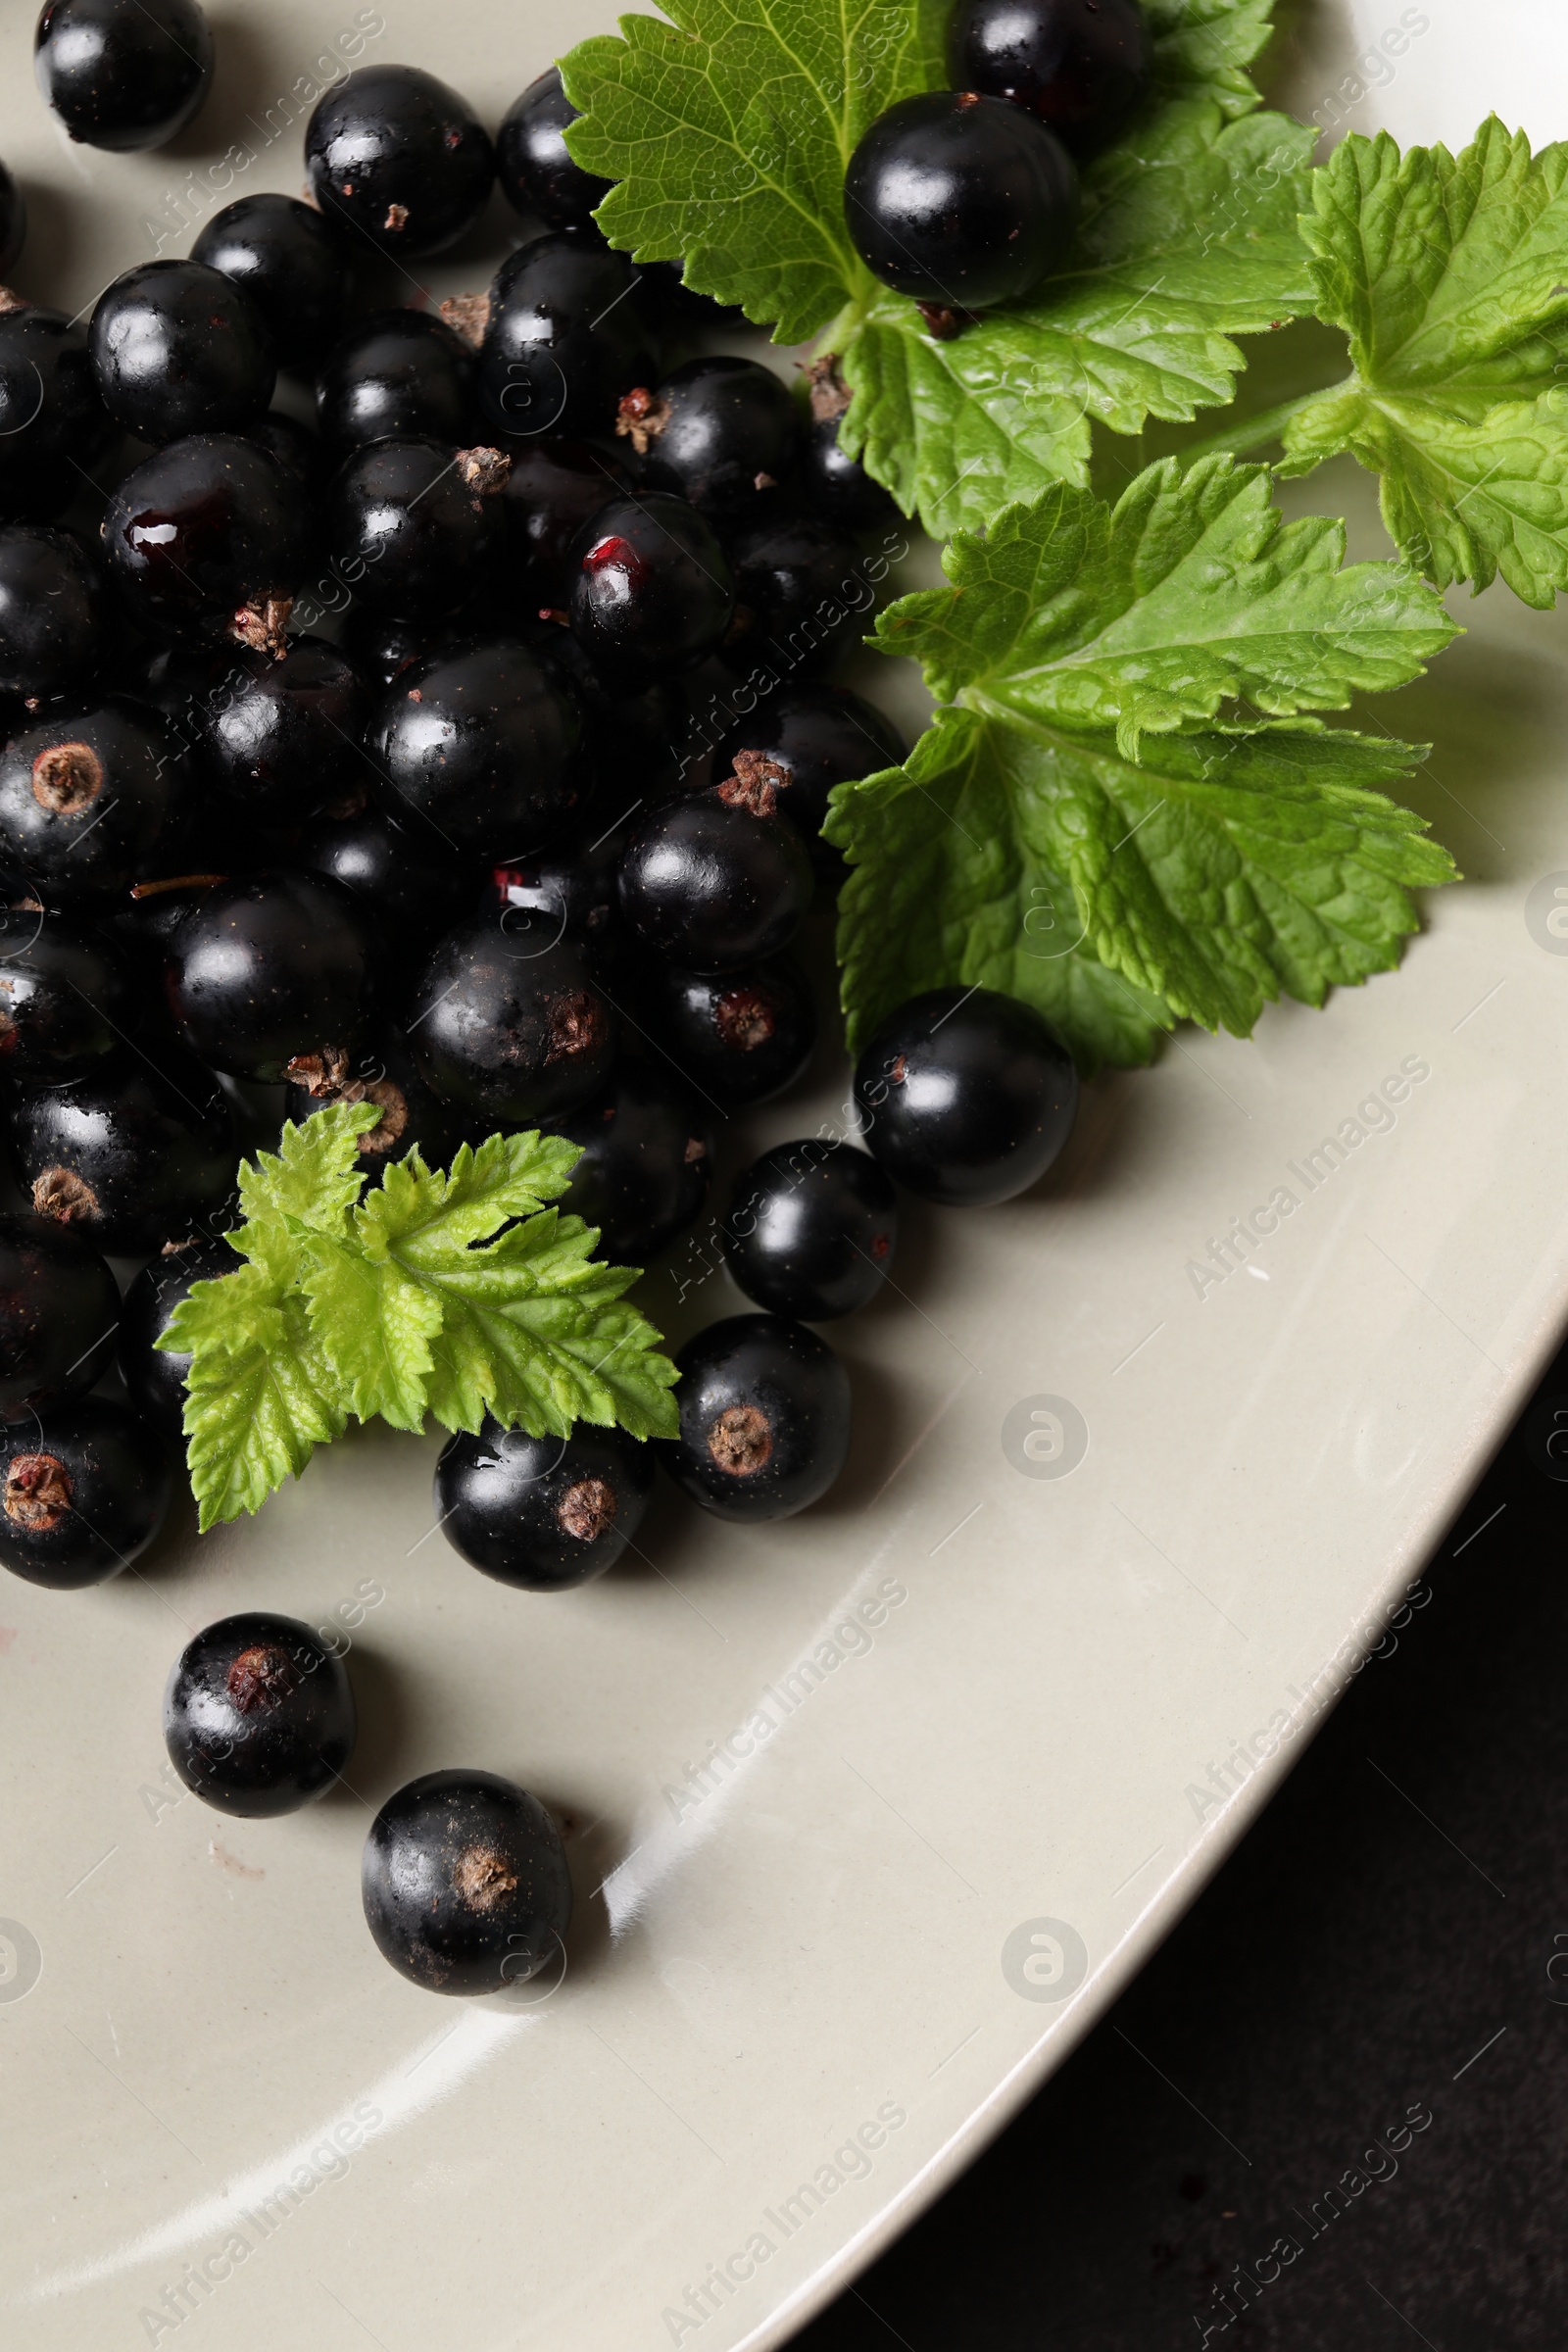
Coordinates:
(315, 1175)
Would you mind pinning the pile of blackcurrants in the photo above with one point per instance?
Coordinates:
(447, 861)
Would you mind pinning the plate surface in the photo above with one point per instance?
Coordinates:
(873, 1813)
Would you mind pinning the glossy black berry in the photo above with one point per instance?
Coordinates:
(959, 201)
(537, 174)
(66, 997)
(400, 374)
(1084, 67)
(84, 800)
(59, 1315)
(464, 1883)
(385, 1073)
(124, 74)
(484, 745)
(13, 219)
(715, 880)
(802, 597)
(565, 337)
(396, 157)
(719, 432)
(81, 1493)
(180, 349)
(413, 893)
(273, 973)
(155, 1378)
(383, 645)
(810, 1229)
(646, 1161)
(828, 481)
(813, 737)
(297, 448)
(573, 882)
(555, 486)
(649, 589)
(52, 420)
(542, 1513)
(51, 612)
(411, 523)
(293, 266)
(737, 1036)
(764, 1418)
(138, 1154)
(965, 1096)
(210, 538)
(277, 736)
(507, 1024)
(259, 1715)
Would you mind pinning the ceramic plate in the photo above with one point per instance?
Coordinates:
(870, 1814)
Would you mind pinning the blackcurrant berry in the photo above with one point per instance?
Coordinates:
(484, 745)
(81, 1493)
(84, 800)
(59, 1315)
(651, 591)
(259, 1715)
(554, 488)
(272, 971)
(1084, 67)
(632, 740)
(810, 1229)
(385, 1073)
(134, 1155)
(829, 482)
(13, 219)
(66, 997)
(537, 174)
(291, 265)
(180, 349)
(719, 432)
(464, 1883)
(51, 612)
(297, 449)
(801, 597)
(398, 157)
(52, 424)
(737, 1036)
(647, 1161)
(383, 645)
(764, 1418)
(413, 893)
(124, 74)
(813, 737)
(410, 523)
(542, 1513)
(959, 201)
(965, 1096)
(573, 882)
(714, 880)
(398, 374)
(506, 1025)
(565, 337)
(277, 736)
(210, 538)
(155, 1380)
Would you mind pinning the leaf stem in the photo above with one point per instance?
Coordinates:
(1249, 432)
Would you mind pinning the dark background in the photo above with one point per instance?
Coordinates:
(1396, 1910)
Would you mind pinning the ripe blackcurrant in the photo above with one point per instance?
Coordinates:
(632, 739)
(410, 523)
(802, 597)
(398, 374)
(484, 745)
(59, 1315)
(51, 611)
(384, 1072)
(413, 892)
(297, 449)
(52, 421)
(565, 337)
(764, 1418)
(124, 74)
(259, 1715)
(813, 737)
(210, 538)
(276, 736)
(272, 971)
(714, 880)
(66, 997)
(542, 1513)
(965, 1096)
(81, 1493)
(737, 1036)
(537, 174)
(464, 1883)
(810, 1229)
(959, 201)
(396, 156)
(1084, 67)
(133, 1155)
(84, 800)
(556, 485)
(830, 483)
(719, 432)
(647, 1161)
(180, 349)
(506, 1025)
(651, 591)
(155, 1379)
(573, 882)
(291, 265)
